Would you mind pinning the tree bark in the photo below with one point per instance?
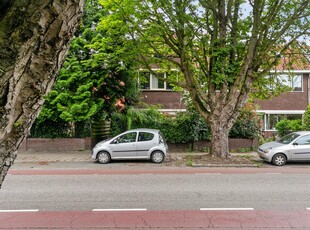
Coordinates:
(34, 39)
(219, 125)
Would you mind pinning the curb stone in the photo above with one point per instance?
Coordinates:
(225, 165)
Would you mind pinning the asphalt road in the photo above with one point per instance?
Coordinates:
(151, 191)
(84, 195)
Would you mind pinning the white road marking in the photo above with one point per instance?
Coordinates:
(273, 173)
(119, 210)
(208, 173)
(226, 209)
(21, 210)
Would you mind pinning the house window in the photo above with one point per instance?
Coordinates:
(168, 86)
(151, 81)
(272, 119)
(145, 80)
(292, 81)
(157, 82)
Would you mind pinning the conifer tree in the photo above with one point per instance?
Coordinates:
(95, 80)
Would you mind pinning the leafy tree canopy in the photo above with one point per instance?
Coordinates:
(95, 79)
(222, 48)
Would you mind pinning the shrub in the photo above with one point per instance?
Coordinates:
(50, 129)
(59, 129)
(285, 126)
(306, 119)
(118, 124)
(184, 127)
(247, 124)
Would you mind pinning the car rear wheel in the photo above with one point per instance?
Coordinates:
(157, 157)
(279, 159)
(103, 157)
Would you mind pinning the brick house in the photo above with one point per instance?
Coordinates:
(289, 105)
(158, 92)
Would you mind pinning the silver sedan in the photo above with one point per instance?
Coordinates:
(292, 147)
(132, 144)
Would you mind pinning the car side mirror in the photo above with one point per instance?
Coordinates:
(295, 143)
(114, 142)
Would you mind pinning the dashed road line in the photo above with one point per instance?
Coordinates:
(20, 210)
(208, 173)
(134, 210)
(271, 173)
(120, 210)
(226, 209)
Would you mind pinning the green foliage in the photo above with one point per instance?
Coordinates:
(59, 129)
(50, 129)
(285, 126)
(184, 127)
(189, 160)
(118, 123)
(247, 125)
(189, 126)
(306, 119)
(222, 49)
(252, 39)
(95, 77)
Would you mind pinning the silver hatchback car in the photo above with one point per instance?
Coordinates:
(292, 147)
(132, 144)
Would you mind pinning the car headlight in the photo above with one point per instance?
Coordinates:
(268, 150)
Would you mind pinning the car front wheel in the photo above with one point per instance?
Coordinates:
(157, 157)
(279, 159)
(103, 157)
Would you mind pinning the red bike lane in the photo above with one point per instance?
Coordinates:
(172, 219)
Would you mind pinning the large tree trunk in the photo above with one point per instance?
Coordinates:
(219, 139)
(34, 39)
(221, 119)
(220, 127)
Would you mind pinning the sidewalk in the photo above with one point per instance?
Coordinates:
(85, 155)
(47, 156)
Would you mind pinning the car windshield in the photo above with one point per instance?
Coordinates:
(288, 138)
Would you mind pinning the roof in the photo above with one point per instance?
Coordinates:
(295, 60)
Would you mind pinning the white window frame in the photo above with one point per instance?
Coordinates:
(288, 77)
(153, 78)
(151, 81)
(266, 113)
(289, 81)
